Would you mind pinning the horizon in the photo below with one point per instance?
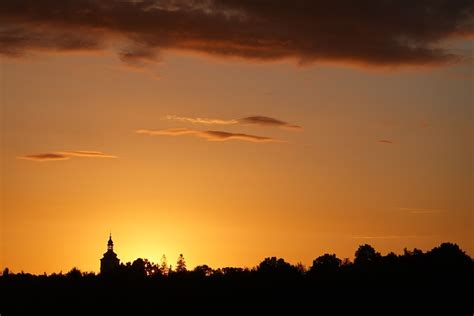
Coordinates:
(171, 265)
(231, 131)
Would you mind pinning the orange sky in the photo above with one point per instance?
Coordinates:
(383, 156)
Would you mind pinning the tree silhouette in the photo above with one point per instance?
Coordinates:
(74, 273)
(448, 254)
(138, 268)
(301, 268)
(150, 268)
(181, 264)
(366, 254)
(326, 263)
(203, 270)
(164, 265)
(275, 266)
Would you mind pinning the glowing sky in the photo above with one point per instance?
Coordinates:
(227, 147)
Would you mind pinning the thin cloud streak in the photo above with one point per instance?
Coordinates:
(420, 210)
(388, 33)
(208, 135)
(386, 141)
(167, 132)
(45, 157)
(65, 155)
(222, 136)
(394, 237)
(199, 120)
(85, 153)
(250, 120)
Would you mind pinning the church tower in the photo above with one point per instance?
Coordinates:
(109, 261)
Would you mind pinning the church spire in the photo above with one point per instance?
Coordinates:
(110, 243)
(109, 261)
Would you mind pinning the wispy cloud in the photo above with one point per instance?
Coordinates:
(199, 120)
(65, 155)
(386, 141)
(250, 120)
(221, 136)
(420, 210)
(209, 135)
(167, 132)
(85, 153)
(394, 237)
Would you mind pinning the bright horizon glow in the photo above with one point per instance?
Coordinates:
(330, 187)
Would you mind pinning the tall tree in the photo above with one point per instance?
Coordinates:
(164, 269)
(181, 264)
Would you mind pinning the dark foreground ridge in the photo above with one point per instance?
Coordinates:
(438, 281)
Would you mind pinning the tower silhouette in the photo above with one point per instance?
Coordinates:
(109, 261)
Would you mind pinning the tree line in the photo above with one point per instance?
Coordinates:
(444, 275)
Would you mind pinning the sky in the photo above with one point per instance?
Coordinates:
(231, 131)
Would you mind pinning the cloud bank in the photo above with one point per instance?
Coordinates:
(65, 155)
(208, 135)
(371, 32)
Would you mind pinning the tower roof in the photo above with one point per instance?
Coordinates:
(110, 242)
(109, 261)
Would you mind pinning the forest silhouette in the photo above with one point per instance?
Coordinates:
(433, 281)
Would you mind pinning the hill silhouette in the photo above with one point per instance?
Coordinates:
(439, 280)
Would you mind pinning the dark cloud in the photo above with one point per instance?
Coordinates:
(220, 136)
(209, 135)
(19, 41)
(64, 155)
(138, 56)
(268, 121)
(45, 157)
(369, 32)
